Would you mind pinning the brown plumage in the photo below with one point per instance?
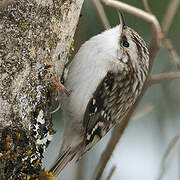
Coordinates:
(106, 77)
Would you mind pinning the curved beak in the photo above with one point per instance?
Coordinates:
(121, 20)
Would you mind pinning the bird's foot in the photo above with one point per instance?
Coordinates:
(60, 86)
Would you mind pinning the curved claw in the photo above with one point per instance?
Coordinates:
(61, 88)
(57, 109)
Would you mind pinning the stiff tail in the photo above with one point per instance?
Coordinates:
(63, 159)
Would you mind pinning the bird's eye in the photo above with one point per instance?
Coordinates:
(125, 43)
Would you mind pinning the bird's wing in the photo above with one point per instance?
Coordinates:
(108, 105)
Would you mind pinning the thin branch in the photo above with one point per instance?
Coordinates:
(174, 56)
(166, 22)
(174, 142)
(80, 171)
(142, 112)
(155, 79)
(146, 6)
(139, 13)
(111, 172)
(117, 132)
(169, 15)
(102, 14)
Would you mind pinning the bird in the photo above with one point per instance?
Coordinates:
(105, 78)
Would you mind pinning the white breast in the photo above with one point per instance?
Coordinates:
(90, 65)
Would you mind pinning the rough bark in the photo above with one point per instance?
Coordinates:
(35, 38)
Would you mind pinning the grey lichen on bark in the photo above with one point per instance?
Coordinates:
(35, 37)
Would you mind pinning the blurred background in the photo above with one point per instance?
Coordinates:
(139, 153)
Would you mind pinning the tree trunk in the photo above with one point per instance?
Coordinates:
(35, 38)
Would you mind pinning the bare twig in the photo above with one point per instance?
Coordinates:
(166, 22)
(170, 12)
(80, 169)
(139, 13)
(117, 132)
(142, 112)
(146, 6)
(111, 173)
(174, 142)
(154, 79)
(101, 13)
(169, 15)
(174, 56)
